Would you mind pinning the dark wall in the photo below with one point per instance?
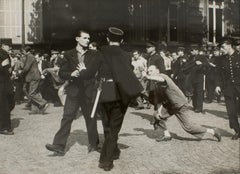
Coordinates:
(62, 18)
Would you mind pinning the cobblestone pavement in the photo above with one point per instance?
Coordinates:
(24, 153)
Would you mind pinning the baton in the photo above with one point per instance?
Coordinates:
(99, 90)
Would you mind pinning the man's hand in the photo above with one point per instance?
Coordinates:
(81, 66)
(198, 62)
(75, 73)
(157, 78)
(5, 62)
(218, 90)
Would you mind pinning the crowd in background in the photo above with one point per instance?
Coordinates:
(192, 68)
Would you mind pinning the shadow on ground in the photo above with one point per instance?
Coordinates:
(144, 116)
(223, 132)
(16, 122)
(81, 137)
(221, 114)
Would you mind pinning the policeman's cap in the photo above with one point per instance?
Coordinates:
(54, 52)
(115, 34)
(151, 44)
(227, 41)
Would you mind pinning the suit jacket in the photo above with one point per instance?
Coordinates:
(68, 65)
(30, 69)
(115, 64)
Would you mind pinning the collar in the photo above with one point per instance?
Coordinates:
(80, 50)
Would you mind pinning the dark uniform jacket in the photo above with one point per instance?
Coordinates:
(69, 64)
(196, 71)
(6, 85)
(4, 73)
(158, 61)
(228, 71)
(115, 64)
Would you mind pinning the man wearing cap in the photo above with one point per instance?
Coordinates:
(79, 94)
(228, 82)
(117, 91)
(6, 90)
(196, 67)
(153, 57)
(178, 76)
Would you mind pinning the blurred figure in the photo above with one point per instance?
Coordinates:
(93, 46)
(196, 68)
(7, 102)
(17, 79)
(140, 70)
(211, 75)
(31, 72)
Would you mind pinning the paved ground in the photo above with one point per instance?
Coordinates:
(24, 153)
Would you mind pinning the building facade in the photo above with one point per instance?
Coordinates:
(174, 21)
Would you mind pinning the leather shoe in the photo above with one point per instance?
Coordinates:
(164, 138)
(197, 111)
(217, 135)
(43, 108)
(107, 166)
(55, 148)
(236, 136)
(6, 132)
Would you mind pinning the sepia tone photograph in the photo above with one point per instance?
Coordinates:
(120, 86)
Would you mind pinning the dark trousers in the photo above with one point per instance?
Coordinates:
(233, 105)
(115, 112)
(7, 103)
(71, 107)
(210, 87)
(197, 98)
(19, 95)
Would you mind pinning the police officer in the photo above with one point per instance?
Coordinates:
(195, 67)
(120, 85)
(228, 82)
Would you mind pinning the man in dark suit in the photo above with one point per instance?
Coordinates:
(78, 95)
(6, 90)
(153, 57)
(228, 82)
(115, 70)
(32, 78)
(196, 67)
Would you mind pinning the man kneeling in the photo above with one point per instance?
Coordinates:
(166, 93)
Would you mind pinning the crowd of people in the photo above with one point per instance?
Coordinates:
(169, 79)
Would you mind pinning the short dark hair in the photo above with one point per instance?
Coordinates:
(79, 32)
